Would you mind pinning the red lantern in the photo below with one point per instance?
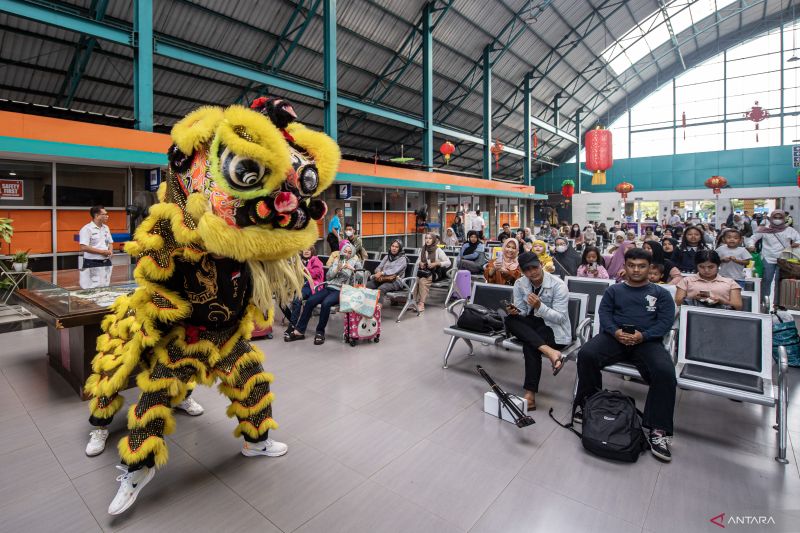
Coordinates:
(497, 149)
(567, 189)
(447, 150)
(716, 183)
(757, 114)
(598, 154)
(624, 188)
(798, 177)
(535, 143)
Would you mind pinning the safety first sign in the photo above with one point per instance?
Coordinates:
(11, 190)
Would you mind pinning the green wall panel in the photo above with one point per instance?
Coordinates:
(749, 167)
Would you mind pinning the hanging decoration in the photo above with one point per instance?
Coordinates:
(567, 189)
(402, 158)
(717, 183)
(624, 188)
(683, 124)
(497, 149)
(447, 148)
(598, 154)
(376, 161)
(757, 114)
(798, 177)
(535, 143)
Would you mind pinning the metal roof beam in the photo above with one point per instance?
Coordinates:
(62, 17)
(499, 45)
(80, 58)
(668, 21)
(290, 30)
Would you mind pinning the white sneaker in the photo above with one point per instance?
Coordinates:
(130, 485)
(97, 442)
(191, 407)
(269, 447)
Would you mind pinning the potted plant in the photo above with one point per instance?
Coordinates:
(6, 229)
(19, 261)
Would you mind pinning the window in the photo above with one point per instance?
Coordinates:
(372, 199)
(25, 183)
(395, 199)
(84, 185)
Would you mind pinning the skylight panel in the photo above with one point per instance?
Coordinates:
(631, 47)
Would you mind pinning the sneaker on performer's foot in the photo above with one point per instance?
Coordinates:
(269, 447)
(190, 407)
(97, 442)
(130, 485)
(659, 445)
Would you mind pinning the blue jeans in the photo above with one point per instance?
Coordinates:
(771, 270)
(325, 298)
(297, 305)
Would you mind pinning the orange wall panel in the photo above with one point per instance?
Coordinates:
(38, 242)
(32, 231)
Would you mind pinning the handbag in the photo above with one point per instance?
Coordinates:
(358, 299)
(479, 319)
(784, 333)
(383, 278)
(424, 273)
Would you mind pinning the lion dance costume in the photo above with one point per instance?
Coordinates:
(237, 206)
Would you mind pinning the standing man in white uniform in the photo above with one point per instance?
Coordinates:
(95, 239)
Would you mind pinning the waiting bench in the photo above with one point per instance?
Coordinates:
(735, 362)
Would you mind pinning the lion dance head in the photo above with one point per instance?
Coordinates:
(244, 184)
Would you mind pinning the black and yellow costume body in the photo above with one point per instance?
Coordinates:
(237, 206)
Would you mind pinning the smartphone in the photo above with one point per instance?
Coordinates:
(508, 305)
(704, 294)
(628, 329)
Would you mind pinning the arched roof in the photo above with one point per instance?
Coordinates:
(561, 42)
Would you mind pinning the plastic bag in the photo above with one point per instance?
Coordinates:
(784, 333)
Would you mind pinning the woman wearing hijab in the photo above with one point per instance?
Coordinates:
(775, 237)
(390, 271)
(671, 274)
(450, 238)
(616, 265)
(505, 269)
(341, 273)
(565, 258)
(540, 249)
(433, 261)
(589, 236)
(619, 238)
(471, 257)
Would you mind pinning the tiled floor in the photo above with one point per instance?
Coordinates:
(383, 439)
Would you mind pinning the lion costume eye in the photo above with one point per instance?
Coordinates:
(240, 172)
(309, 179)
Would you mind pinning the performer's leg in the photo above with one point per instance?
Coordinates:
(247, 385)
(102, 410)
(148, 421)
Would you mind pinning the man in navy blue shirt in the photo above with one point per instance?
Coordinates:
(634, 317)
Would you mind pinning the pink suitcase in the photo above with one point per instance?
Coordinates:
(362, 328)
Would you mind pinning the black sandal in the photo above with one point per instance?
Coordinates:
(293, 336)
(319, 338)
(557, 369)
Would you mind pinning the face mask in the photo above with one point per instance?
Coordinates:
(561, 248)
(348, 233)
(778, 222)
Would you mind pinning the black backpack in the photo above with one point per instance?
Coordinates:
(612, 427)
(479, 319)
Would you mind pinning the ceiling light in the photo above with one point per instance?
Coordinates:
(12, 173)
(793, 59)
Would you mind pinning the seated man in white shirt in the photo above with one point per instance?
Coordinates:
(95, 239)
